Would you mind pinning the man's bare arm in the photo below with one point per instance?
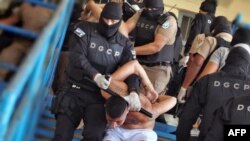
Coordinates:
(194, 66)
(211, 67)
(163, 104)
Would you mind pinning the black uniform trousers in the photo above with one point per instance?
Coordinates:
(79, 104)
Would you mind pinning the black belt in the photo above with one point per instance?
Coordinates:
(165, 63)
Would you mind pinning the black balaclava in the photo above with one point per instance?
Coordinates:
(153, 14)
(220, 24)
(241, 35)
(209, 6)
(238, 60)
(113, 11)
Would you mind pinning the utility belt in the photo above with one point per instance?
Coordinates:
(152, 64)
(86, 85)
(83, 87)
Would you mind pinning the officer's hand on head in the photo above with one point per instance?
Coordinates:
(182, 94)
(102, 81)
(183, 61)
(133, 101)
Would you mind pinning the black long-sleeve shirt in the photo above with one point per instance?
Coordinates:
(91, 53)
(234, 112)
(207, 95)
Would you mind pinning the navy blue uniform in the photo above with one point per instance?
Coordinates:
(208, 95)
(90, 53)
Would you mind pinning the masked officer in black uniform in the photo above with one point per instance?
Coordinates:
(211, 91)
(234, 112)
(96, 49)
(200, 24)
(154, 43)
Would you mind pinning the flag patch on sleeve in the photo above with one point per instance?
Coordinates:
(79, 32)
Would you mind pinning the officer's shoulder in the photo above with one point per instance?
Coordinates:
(121, 39)
(165, 20)
(200, 16)
(211, 40)
(82, 28)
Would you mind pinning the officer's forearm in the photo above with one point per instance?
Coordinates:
(211, 67)
(131, 22)
(147, 49)
(87, 67)
(193, 69)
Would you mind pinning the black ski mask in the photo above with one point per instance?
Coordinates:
(152, 14)
(112, 11)
(209, 6)
(241, 35)
(238, 60)
(220, 24)
(156, 5)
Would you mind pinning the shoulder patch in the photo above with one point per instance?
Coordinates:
(165, 25)
(79, 32)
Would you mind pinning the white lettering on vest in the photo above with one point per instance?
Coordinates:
(236, 86)
(92, 45)
(240, 107)
(102, 49)
(109, 51)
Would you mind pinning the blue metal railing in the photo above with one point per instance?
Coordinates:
(19, 31)
(43, 4)
(21, 100)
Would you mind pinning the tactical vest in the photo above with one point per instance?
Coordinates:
(145, 33)
(222, 87)
(104, 56)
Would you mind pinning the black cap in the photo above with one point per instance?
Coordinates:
(112, 10)
(154, 3)
(209, 6)
(241, 35)
(220, 24)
